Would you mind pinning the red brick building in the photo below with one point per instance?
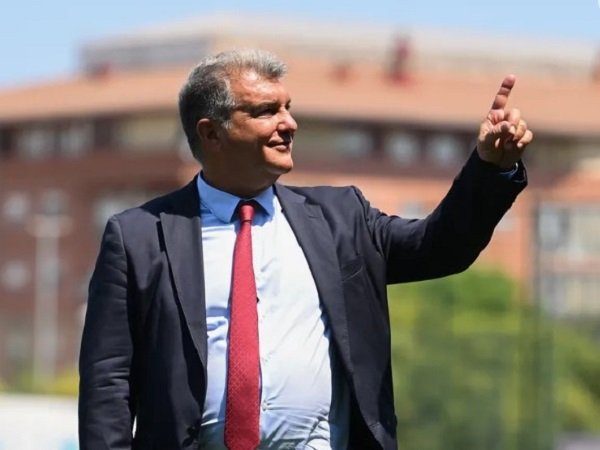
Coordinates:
(396, 117)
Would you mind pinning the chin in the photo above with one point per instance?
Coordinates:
(282, 166)
(279, 170)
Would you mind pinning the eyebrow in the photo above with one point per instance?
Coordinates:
(256, 107)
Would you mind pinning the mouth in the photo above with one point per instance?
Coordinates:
(284, 146)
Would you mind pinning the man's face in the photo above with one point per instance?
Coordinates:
(258, 142)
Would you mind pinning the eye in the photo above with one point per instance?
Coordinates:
(265, 111)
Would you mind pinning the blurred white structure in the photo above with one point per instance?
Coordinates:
(35, 423)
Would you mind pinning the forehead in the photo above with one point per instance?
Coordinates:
(249, 87)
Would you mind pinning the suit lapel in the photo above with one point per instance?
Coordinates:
(315, 239)
(182, 230)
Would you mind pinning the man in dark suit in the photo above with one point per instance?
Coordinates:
(240, 313)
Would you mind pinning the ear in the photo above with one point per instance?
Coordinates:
(207, 131)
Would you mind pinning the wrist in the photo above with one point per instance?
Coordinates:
(510, 169)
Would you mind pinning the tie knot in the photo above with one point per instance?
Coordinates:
(246, 211)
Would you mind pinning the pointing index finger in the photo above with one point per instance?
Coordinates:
(501, 98)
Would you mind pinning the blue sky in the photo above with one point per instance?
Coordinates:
(40, 40)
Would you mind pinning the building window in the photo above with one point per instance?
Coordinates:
(113, 203)
(444, 150)
(159, 132)
(36, 142)
(569, 255)
(76, 138)
(354, 143)
(402, 147)
(16, 207)
(552, 226)
(413, 210)
(570, 295)
(571, 231)
(507, 223)
(15, 275)
(316, 141)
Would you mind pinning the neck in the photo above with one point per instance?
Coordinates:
(239, 189)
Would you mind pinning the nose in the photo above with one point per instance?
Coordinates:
(287, 123)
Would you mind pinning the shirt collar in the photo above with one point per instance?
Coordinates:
(223, 205)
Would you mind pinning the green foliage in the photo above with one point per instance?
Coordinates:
(579, 366)
(65, 383)
(478, 367)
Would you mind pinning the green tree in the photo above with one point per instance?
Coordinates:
(478, 367)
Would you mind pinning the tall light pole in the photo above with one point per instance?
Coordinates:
(47, 228)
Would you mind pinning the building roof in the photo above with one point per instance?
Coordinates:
(433, 47)
(336, 90)
(101, 94)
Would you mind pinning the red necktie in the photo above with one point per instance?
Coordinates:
(243, 397)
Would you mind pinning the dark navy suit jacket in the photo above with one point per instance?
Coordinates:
(144, 349)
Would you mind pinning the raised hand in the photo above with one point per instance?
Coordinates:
(503, 135)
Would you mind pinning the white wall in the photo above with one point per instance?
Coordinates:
(30, 422)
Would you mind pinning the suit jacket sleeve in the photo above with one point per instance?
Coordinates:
(452, 236)
(106, 408)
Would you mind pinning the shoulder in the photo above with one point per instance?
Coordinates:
(325, 195)
(183, 201)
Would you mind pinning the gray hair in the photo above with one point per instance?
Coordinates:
(207, 93)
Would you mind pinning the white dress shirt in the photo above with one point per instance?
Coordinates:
(304, 399)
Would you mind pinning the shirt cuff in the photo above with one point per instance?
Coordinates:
(508, 173)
